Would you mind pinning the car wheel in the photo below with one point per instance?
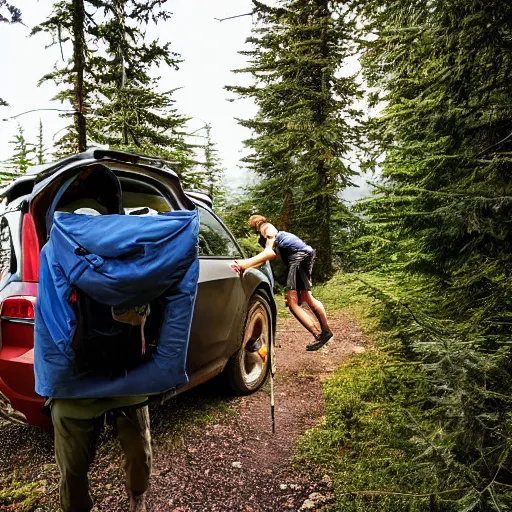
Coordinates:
(248, 368)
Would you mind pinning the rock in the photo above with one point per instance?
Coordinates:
(313, 501)
(327, 480)
(317, 497)
(237, 465)
(308, 505)
(358, 350)
(283, 486)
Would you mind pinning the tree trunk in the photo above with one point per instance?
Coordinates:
(323, 266)
(79, 61)
(287, 211)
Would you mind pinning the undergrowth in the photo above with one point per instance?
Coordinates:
(20, 496)
(377, 414)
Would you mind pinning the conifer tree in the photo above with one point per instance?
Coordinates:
(67, 26)
(441, 219)
(21, 159)
(213, 170)
(128, 112)
(302, 129)
(40, 147)
(117, 95)
(8, 14)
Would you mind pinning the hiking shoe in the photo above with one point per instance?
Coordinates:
(137, 501)
(321, 340)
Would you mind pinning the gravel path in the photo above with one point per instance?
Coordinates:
(228, 460)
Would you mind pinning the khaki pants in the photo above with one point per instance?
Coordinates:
(75, 448)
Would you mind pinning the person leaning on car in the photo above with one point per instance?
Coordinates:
(299, 258)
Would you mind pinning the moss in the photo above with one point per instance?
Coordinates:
(20, 496)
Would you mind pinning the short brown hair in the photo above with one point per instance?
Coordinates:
(256, 221)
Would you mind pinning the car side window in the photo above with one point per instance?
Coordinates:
(214, 240)
(7, 256)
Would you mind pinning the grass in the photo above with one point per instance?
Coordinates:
(366, 443)
(20, 496)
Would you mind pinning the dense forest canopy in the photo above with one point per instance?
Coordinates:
(434, 238)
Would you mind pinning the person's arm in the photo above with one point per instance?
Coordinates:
(266, 255)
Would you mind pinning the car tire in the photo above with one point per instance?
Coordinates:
(247, 371)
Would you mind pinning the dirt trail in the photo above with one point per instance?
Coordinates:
(233, 463)
(237, 464)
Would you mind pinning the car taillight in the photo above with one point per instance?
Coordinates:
(30, 250)
(17, 317)
(18, 308)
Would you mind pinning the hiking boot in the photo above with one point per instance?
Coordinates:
(137, 501)
(321, 340)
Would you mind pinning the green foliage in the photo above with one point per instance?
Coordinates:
(439, 230)
(19, 496)
(40, 148)
(119, 97)
(212, 168)
(367, 444)
(305, 124)
(9, 13)
(21, 159)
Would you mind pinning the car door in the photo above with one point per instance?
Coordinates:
(221, 301)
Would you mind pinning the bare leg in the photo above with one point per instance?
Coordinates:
(316, 307)
(292, 301)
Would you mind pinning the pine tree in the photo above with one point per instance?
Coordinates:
(441, 219)
(128, 111)
(8, 14)
(117, 94)
(40, 147)
(213, 170)
(21, 159)
(303, 129)
(67, 25)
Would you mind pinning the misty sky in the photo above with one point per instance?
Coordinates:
(209, 49)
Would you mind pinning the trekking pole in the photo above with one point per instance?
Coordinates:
(272, 371)
(272, 407)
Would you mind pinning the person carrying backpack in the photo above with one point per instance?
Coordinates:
(299, 258)
(102, 275)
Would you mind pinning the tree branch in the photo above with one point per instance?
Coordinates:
(233, 17)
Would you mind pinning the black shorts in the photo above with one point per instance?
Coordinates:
(300, 269)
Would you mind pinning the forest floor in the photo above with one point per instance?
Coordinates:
(212, 451)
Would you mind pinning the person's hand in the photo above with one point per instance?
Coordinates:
(237, 268)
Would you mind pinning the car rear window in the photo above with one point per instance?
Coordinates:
(138, 195)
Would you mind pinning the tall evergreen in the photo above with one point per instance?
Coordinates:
(117, 98)
(8, 14)
(213, 170)
(67, 25)
(128, 112)
(40, 147)
(304, 128)
(441, 218)
(21, 159)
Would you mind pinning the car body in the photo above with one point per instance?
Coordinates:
(230, 313)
